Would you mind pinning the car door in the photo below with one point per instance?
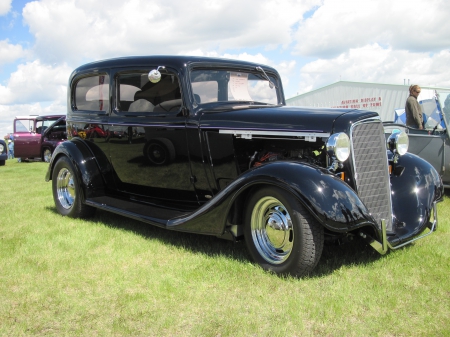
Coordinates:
(26, 141)
(147, 140)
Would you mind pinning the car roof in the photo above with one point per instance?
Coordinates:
(176, 61)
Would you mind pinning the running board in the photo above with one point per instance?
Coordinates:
(383, 246)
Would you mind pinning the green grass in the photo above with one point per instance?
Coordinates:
(112, 276)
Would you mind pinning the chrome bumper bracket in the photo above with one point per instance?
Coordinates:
(383, 246)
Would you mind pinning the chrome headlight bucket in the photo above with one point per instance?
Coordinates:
(338, 146)
(398, 143)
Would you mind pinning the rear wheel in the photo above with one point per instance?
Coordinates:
(67, 191)
(280, 234)
(2, 162)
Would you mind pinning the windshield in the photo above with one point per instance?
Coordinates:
(234, 86)
(444, 102)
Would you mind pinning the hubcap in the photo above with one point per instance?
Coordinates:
(272, 230)
(65, 188)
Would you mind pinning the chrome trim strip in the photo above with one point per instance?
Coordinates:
(311, 136)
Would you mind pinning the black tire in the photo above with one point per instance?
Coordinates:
(293, 244)
(159, 151)
(2, 162)
(67, 192)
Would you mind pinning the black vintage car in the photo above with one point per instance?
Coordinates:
(207, 145)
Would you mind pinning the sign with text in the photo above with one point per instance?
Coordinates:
(360, 103)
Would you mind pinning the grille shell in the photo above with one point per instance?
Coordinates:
(371, 174)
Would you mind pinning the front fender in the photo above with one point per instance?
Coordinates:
(330, 200)
(85, 164)
(415, 187)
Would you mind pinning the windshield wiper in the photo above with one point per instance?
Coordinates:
(271, 84)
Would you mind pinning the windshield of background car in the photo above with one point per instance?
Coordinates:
(210, 85)
(444, 102)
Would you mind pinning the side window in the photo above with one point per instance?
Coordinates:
(24, 125)
(136, 94)
(92, 93)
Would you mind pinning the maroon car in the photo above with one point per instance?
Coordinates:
(38, 136)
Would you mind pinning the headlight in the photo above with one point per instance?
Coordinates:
(338, 145)
(1, 148)
(398, 143)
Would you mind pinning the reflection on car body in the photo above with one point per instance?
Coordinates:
(208, 146)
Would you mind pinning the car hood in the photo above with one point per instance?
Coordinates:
(283, 119)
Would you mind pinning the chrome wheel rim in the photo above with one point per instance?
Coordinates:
(272, 230)
(65, 188)
(47, 155)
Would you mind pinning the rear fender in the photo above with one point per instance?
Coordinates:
(87, 167)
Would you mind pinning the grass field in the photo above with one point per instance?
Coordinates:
(112, 276)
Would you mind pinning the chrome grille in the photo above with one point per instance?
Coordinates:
(371, 172)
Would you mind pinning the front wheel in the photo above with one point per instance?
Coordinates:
(280, 234)
(67, 191)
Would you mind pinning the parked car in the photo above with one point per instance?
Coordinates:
(3, 152)
(433, 142)
(210, 147)
(38, 136)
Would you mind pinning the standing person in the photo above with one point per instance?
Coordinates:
(413, 109)
(10, 149)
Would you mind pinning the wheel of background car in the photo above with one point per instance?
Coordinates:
(47, 155)
(159, 151)
(67, 191)
(2, 162)
(280, 234)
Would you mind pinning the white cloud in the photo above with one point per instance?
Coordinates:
(5, 6)
(10, 52)
(36, 82)
(337, 26)
(79, 30)
(372, 63)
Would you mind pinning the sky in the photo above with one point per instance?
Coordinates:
(312, 43)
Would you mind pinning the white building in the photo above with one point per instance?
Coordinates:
(382, 98)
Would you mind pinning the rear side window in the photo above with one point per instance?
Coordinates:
(137, 96)
(92, 93)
